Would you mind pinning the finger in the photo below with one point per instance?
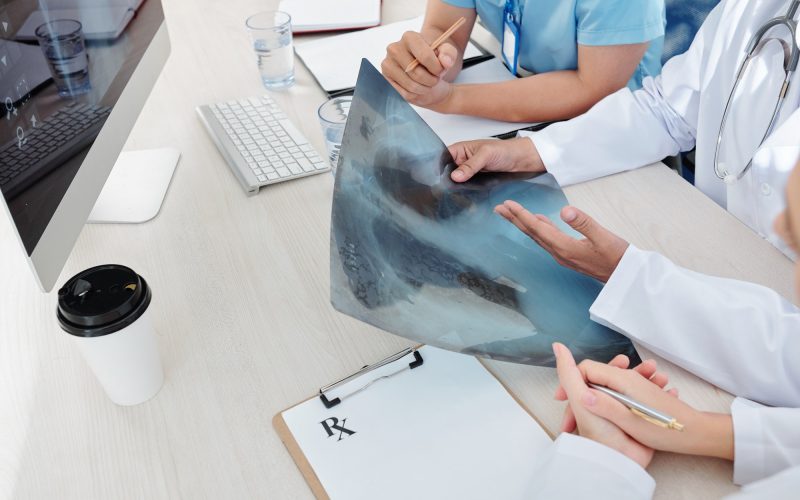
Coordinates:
(552, 237)
(647, 368)
(615, 412)
(391, 70)
(468, 168)
(608, 376)
(423, 76)
(568, 423)
(544, 219)
(581, 222)
(619, 361)
(568, 373)
(447, 54)
(661, 379)
(408, 96)
(673, 392)
(422, 52)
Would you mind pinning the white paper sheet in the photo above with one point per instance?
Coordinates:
(455, 128)
(447, 429)
(324, 15)
(335, 60)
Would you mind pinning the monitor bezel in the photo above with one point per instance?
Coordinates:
(55, 245)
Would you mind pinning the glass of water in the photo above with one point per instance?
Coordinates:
(333, 117)
(65, 50)
(272, 40)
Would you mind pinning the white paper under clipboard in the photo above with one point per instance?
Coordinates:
(444, 429)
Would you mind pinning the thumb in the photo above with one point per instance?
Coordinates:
(471, 166)
(447, 54)
(581, 222)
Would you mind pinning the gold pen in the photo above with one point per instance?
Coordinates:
(653, 416)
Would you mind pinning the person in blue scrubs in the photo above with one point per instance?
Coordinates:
(575, 53)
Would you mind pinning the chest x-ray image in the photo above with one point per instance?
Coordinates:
(427, 259)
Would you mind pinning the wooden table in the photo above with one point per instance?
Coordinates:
(241, 304)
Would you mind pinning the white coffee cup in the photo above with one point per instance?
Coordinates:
(106, 310)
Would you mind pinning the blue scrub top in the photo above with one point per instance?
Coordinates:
(552, 29)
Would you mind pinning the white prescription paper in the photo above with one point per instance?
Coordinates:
(455, 128)
(447, 429)
(335, 60)
(325, 15)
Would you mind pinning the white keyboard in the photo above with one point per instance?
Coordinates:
(259, 143)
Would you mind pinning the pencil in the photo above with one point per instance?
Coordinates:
(436, 43)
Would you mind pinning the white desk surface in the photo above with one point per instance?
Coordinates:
(241, 304)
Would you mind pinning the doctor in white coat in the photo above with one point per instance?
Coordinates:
(757, 361)
(733, 324)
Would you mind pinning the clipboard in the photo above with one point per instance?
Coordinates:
(412, 359)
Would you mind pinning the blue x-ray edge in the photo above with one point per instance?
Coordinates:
(427, 259)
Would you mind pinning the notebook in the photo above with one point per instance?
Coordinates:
(329, 15)
(334, 61)
(455, 128)
(446, 428)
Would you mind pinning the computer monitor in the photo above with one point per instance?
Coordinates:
(69, 104)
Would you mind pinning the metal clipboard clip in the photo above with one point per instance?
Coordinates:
(330, 403)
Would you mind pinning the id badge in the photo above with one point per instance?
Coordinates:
(511, 43)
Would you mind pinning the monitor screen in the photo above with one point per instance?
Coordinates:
(63, 66)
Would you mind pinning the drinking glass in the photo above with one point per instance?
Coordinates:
(333, 117)
(65, 50)
(271, 32)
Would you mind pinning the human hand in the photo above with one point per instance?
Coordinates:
(597, 255)
(425, 85)
(590, 425)
(708, 434)
(492, 155)
(647, 369)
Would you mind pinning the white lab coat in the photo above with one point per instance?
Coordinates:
(682, 109)
(740, 336)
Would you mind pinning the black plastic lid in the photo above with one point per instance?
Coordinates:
(102, 300)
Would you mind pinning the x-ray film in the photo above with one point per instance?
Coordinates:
(425, 258)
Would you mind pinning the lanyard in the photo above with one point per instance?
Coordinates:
(512, 29)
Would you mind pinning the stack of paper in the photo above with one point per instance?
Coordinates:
(329, 15)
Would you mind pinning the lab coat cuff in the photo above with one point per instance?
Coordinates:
(581, 448)
(546, 143)
(748, 442)
(611, 300)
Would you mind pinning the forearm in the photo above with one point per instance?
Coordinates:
(554, 96)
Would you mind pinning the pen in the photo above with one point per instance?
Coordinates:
(435, 45)
(640, 410)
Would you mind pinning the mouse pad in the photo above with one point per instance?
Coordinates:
(420, 256)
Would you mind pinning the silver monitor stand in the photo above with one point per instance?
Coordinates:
(136, 187)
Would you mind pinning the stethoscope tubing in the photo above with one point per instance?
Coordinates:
(790, 66)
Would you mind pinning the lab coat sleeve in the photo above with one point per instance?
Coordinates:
(576, 467)
(628, 130)
(766, 440)
(742, 337)
(783, 485)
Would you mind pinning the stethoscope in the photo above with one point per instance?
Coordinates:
(791, 57)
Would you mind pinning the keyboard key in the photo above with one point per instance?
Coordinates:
(321, 165)
(283, 172)
(295, 168)
(272, 176)
(305, 165)
(262, 178)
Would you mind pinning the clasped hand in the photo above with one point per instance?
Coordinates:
(599, 417)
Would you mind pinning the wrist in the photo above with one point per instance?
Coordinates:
(529, 159)
(715, 436)
(449, 103)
